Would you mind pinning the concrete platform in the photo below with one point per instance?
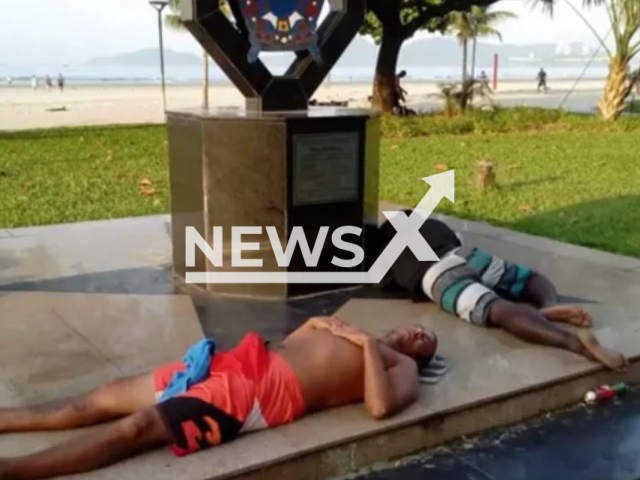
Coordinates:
(58, 345)
(494, 379)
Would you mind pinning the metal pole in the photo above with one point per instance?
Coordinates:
(164, 85)
(159, 5)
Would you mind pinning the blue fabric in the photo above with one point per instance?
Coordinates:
(196, 361)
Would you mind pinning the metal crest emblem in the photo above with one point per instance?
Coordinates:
(282, 25)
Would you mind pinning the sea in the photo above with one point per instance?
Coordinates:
(91, 74)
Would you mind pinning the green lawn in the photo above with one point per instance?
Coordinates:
(582, 188)
(569, 178)
(68, 175)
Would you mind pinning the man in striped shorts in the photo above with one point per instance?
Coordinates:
(487, 291)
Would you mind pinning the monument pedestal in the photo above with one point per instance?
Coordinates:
(306, 169)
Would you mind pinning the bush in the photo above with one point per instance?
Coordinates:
(501, 120)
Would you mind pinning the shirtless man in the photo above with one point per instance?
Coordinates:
(323, 364)
(486, 291)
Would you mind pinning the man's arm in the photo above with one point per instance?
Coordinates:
(390, 378)
(390, 381)
(317, 323)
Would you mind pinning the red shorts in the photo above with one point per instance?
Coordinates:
(249, 388)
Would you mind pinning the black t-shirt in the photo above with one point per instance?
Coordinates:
(407, 271)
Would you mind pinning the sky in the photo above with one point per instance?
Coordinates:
(38, 32)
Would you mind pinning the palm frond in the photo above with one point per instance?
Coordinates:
(547, 5)
(173, 21)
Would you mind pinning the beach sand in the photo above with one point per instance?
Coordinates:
(21, 108)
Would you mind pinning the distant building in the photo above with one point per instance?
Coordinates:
(563, 50)
(587, 50)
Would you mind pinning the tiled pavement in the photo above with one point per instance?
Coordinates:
(72, 298)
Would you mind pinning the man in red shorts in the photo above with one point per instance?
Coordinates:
(323, 364)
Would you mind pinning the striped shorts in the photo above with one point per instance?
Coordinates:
(467, 281)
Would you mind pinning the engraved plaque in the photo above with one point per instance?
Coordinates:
(325, 168)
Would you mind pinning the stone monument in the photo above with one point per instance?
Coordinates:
(276, 162)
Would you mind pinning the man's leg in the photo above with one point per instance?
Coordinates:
(116, 399)
(520, 284)
(472, 284)
(104, 446)
(529, 324)
(541, 293)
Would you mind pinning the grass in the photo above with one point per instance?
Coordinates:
(563, 176)
(68, 175)
(578, 187)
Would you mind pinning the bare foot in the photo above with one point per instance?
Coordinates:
(606, 356)
(567, 314)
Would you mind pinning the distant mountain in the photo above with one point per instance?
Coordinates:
(147, 56)
(361, 53)
(446, 52)
(425, 52)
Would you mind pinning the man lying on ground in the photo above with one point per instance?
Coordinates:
(487, 291)
(323, 364)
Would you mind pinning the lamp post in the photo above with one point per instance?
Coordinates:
(160, 5)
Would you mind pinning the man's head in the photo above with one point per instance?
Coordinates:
(413, 341)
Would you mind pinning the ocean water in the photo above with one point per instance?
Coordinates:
(192, 74)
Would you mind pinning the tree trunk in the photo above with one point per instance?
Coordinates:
(616, 90)
(465, 49)
(474, 50)
(205, 80)
(385, 94)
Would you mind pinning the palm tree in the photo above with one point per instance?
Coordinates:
(477, 22)
(174, 20)
(483, 22)
(460, 26)
(624, 16)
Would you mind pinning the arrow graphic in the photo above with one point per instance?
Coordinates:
(407, 236)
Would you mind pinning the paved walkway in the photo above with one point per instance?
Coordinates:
(103, 281)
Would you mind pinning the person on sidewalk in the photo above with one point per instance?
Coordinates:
(211, 398)
(487, 291)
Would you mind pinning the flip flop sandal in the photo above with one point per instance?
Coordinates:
(434, 371)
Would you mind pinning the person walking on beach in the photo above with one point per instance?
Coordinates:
(484, 79)
(401, 92)
(49, 83)
(61, 82)
(34, 82)
(542, 80)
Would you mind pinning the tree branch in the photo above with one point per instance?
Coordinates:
(387, 11)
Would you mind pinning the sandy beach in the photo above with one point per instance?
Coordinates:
(22, 108)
